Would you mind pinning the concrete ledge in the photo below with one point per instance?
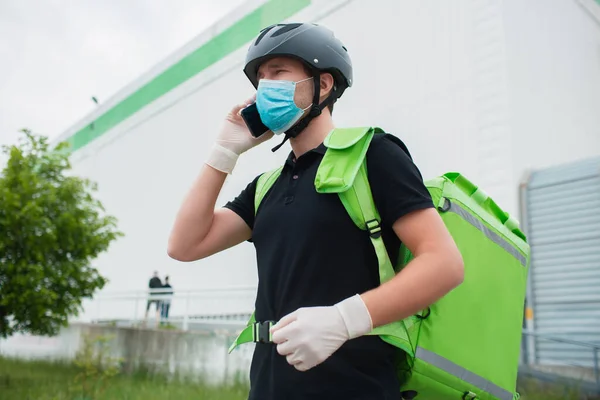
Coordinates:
(195, 354)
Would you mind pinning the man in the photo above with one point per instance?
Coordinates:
(153, 283)
(318, 273)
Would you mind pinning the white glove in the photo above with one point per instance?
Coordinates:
(233, 140)
(309, 335)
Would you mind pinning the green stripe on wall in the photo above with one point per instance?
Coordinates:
(220, 46)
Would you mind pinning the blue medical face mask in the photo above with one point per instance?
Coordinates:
(275, 104)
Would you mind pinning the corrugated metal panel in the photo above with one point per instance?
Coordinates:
(563, 226)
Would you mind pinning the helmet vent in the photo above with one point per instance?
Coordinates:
(263, 33)
(285, 28)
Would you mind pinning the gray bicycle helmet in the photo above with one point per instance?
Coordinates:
(314, 45)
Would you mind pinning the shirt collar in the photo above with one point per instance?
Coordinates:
(321, 149)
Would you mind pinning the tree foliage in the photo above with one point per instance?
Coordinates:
(51, 229)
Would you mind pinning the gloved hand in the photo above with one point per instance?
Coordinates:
(233, 140)
(309, 335)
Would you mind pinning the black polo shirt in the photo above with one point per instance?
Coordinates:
(310, 253)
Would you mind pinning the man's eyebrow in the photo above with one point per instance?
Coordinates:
(276, 65)
(272, 66)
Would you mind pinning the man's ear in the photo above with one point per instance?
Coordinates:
(326, 80)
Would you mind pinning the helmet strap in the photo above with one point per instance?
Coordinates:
(315, 111)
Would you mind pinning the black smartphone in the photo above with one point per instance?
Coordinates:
(252, 119)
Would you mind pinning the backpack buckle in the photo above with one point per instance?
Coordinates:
(374, 228)
(261, 332)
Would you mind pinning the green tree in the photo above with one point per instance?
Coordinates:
(51, 229)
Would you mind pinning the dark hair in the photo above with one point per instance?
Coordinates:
(309, 72)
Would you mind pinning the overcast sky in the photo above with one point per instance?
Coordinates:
(56, 54)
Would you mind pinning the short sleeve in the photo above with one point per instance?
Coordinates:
(396, 182)
(243, 204)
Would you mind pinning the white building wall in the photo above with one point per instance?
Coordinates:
(553, 64)
(437, 74)
(434, 74)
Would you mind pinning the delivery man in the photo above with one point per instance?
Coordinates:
(318, 273)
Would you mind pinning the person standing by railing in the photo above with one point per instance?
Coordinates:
(153, 284)
(166, 302)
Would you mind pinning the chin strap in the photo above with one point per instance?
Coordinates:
(274, 149)
(315, 111)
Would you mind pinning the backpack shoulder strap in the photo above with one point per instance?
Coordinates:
(263, 184)
(343, 170)
(346, 149)
(359, 203)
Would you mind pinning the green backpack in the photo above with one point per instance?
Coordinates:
(466, 345)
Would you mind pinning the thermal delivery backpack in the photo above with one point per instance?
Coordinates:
(466, 345)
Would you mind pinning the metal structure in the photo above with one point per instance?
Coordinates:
(560, 215)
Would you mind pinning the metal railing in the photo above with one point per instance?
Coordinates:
(222, 306)
(578, 361)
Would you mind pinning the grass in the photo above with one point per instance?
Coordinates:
(51, 380)
(530, 389)
(54, 380)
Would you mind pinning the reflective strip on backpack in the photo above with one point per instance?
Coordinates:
(493, 236)
(463, 374)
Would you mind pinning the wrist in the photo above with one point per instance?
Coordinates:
(356, 316)
(222, 159)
